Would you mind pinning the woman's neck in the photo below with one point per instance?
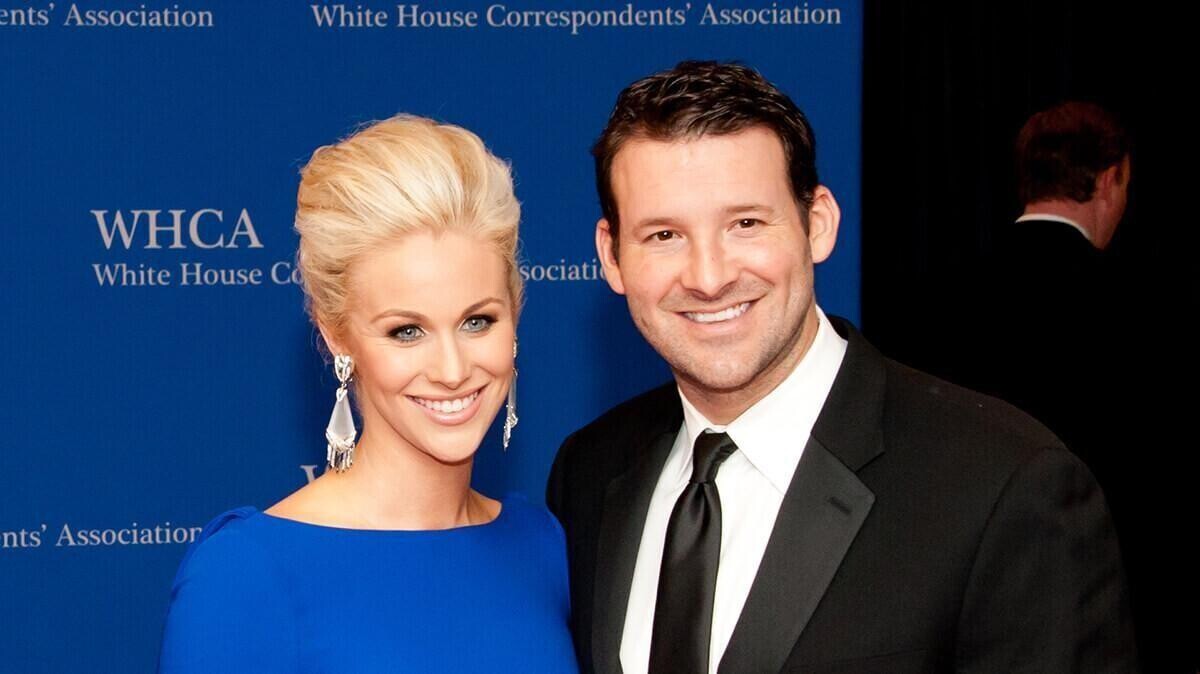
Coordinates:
(393, 485)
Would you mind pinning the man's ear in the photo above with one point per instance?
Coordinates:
(824, 216)
(1113, 178)
(607, 252)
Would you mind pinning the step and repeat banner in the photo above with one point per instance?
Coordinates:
(158, 365)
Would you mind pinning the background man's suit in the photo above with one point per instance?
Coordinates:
(927, 528)
(1046, 330)
(1073, 336)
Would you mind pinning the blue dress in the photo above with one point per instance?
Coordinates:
(262, 594)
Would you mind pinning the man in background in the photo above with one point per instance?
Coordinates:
(1051, 323)
(1066, 331)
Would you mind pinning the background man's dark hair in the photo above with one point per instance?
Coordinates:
(1060, 151)
(697, 98)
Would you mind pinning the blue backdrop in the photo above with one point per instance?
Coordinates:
(159, 367)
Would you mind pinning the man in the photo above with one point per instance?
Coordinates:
(794, 501)
(1083, 359)
(1051, 267)
(1073, 170)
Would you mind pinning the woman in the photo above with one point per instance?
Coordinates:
(390, 561)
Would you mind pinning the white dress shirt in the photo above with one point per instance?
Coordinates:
(770, 436)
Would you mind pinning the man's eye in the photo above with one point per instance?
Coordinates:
(478, 323)
(747, 223)
(408, 333)
(665, 235)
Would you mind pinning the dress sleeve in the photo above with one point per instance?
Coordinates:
(1047, 592)
(230, 611)
(558, 546)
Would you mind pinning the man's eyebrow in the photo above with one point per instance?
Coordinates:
(655, 223)
(667, 222)
(738, 209)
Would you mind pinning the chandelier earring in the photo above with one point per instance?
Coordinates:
(510, 408)
(340, 433)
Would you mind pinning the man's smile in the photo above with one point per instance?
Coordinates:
(727, 314)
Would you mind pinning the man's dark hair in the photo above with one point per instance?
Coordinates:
(697, 98)
(1060, 151)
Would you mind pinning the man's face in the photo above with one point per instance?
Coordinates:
(714, 259)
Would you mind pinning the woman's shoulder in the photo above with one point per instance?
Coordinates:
(231, 602)
(531, 518)
(517, 505)
(227, 542)
(538, 548)
(233, 519)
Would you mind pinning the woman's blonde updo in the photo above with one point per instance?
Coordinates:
(395, 177)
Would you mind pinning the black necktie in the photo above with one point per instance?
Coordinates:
(686, 581)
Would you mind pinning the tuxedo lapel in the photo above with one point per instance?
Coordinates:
(821, 514)
(824, 507)
(626, 502)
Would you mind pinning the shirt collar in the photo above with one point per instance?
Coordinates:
(771, 434)
(1056, 218)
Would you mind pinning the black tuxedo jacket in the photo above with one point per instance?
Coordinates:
(1073, 336)
(926, 529)
(1048, 331)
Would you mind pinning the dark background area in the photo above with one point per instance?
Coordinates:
(946, 88)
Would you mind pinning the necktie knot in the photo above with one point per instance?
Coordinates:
(708, 454)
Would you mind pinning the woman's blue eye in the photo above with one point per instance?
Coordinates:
(478, 323)
(408, 333)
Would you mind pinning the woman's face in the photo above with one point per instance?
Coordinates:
(430, 327)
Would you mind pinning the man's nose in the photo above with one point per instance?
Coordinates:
(710, 269)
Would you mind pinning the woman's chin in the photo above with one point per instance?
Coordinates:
(453, 446)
